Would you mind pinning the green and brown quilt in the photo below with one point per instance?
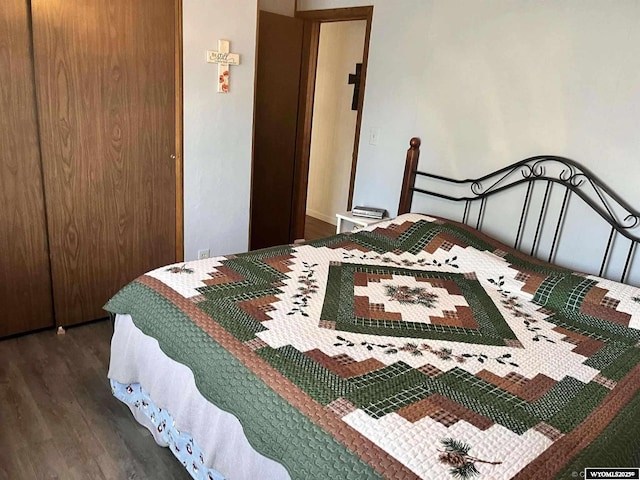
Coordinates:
(417, 348)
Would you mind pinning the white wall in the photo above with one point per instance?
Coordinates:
(485, 83)
(217, 127)
(334, 123)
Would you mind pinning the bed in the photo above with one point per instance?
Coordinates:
(419, 347)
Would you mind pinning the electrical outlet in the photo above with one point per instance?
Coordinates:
(204, 253)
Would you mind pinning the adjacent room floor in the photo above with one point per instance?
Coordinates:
(315, 228)
(59, 419)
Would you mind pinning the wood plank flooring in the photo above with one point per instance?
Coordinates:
(58, 419)
(315, 228)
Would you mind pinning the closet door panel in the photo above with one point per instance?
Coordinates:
(25, 287)
(106, 100)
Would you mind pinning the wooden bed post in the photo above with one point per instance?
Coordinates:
(409, 180)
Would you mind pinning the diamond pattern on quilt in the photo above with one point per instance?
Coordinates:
(255, 344)
(259, 308)
(430, 370)
(341, 407)
(383, 300)
(280, 263)
(606, 382)
(198, 298)
(585, 345)
(414, 328)
(443, 410)
(530, 390)
(223, 275)
(513, 343)
(531, 280)
(548, 431)
(609, 302)
(328, 324)
(345, 369)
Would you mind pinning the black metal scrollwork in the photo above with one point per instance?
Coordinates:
(565, 172)
(553, 170)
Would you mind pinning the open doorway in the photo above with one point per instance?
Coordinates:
(287, 60)
(335, 117)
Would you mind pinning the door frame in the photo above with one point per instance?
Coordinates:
(179, 133)
(311, 42)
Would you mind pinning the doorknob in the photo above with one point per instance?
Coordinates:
(173, 157)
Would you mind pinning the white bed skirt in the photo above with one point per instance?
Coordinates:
(137, 358)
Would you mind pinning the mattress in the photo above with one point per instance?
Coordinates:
(417, 348)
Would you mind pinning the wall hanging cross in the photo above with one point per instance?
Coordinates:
(355, 80)
(224, 59)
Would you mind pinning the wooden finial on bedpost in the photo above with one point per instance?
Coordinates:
(409, 180)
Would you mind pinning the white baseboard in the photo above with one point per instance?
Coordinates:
(322, 216)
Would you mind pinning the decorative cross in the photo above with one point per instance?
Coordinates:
(355, 80)
(223, 58)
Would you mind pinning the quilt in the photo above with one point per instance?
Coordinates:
(417, 348)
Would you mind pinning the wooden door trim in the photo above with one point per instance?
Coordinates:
(336, 14)
(310, 42)
(313, 19)
(363, 81)
(179, 127)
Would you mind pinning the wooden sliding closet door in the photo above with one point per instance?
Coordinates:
(105, 79)
(25, 287)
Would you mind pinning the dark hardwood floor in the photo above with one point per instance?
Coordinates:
(58, 419)
(315, 228)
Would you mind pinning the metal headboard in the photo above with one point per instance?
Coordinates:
(622, 218)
